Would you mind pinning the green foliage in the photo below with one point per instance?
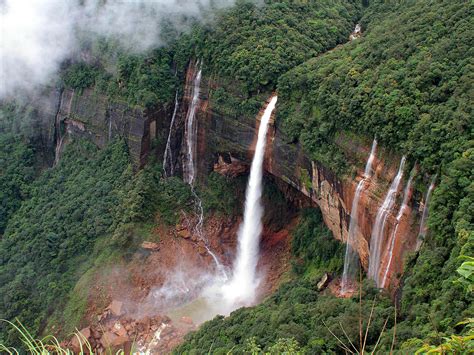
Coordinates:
(16, 174)
(221, 194)
(466, 270)
(454, 344)
(282, 346)
(407, 84)
(145, 80)
(256, 44)
(314, 247)
(53, 231)
(296, 311)
(80, 76)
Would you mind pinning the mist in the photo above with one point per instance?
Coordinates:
(36, 36)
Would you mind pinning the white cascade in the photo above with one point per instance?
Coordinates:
(168, 156)
(241, 289)
(190, 132)
(351, 258)
(110, 129)
(376, 239)
(424, 216)
(393, 237)
(198, 228)
(189, 169)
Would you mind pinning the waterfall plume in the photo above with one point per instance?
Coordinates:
(376, 239)
(351, 257)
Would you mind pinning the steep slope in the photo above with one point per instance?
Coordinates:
(408, 85)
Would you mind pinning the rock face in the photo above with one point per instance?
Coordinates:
(226, 145)
(221, 136)
(65, 115)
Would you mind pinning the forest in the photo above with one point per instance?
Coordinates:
(408, 81)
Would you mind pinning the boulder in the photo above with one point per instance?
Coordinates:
(119, 329)
(150, 246)
(323, 282)
(116, 308)
(110, 339)
(184, 233)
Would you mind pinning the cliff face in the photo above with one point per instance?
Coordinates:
(227, 145)
(66, 114)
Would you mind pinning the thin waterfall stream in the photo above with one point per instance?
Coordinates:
(189, 168)
(351, 257)
(376, 240)
(168, 156)
(424, 216)
(393, 237)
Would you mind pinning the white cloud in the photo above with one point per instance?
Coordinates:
(37, 35)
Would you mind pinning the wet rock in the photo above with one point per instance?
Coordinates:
(232, 169)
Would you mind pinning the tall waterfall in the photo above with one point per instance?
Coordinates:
(168, 167)
(393, 237)
(351, 258)
(424, 216)
(241, 288)
(189, 169)
(376, 239)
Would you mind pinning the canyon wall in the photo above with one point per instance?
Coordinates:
(68, 114)
(227, 144)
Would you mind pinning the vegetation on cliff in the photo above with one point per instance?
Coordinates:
(408, 81)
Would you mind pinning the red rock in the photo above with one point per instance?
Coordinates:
(187, 320)
(184, 233)
(119, 329)
(116, 308)
(110, 339)
(150, 246)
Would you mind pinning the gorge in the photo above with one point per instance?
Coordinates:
(166, 201)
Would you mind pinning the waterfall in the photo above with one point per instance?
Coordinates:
(110, 129)
(351, 258)
(189, 165)
(168, 156)
(376, 239)
(198, 228)
(191, 131)
(57, 150)
(424, 216)
(393, 237)
(242, 286)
